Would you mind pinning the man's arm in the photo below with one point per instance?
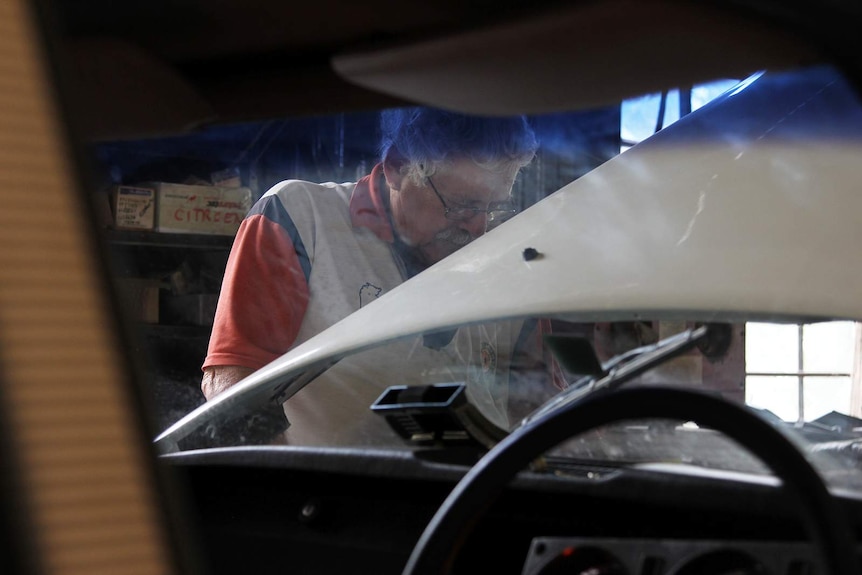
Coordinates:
(220, 377)
(263, 300)
(264, 427)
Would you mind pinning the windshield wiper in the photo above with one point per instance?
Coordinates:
(619, 370)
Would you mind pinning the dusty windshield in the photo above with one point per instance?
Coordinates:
(238, 248)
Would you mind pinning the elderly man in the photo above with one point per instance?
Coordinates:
(307, 255)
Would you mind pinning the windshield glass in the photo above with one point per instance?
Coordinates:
(237, 248)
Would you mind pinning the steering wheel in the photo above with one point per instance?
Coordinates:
(828, 528)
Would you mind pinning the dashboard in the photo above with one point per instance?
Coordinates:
(312, 510)
(550, 555)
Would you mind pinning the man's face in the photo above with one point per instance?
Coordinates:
(420, 216)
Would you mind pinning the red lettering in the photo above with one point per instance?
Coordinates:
(202, 215)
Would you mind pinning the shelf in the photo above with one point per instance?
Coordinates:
(183, 332)
(160, 240)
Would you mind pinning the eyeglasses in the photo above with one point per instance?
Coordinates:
(497, 213)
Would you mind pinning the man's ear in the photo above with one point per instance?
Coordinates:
(392, 165)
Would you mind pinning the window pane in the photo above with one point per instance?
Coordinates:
(703, 93)
(828, 347)
(771, 348)
(777, 394)
(826, 394)
(640, 115)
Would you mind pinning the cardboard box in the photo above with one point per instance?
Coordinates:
(196, 309)
(133, 207)
(229, 178)
(139, 298)
(186, 209)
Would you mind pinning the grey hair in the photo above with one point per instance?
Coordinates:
(425, 139)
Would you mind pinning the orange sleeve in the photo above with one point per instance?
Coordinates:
(264, 295)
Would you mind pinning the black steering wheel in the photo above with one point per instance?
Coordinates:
(828, 528)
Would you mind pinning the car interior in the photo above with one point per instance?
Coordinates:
(92, 89)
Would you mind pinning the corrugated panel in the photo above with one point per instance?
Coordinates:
(83, 465)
